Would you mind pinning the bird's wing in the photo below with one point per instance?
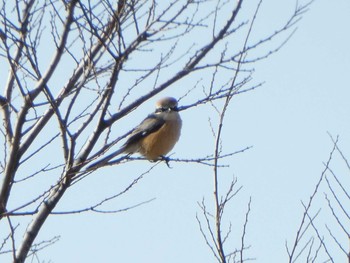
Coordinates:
(149, 125)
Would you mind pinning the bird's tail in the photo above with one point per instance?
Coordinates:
(104, 161)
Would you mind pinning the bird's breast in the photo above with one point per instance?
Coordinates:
(161, 142)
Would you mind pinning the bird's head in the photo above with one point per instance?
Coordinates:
(166, 104)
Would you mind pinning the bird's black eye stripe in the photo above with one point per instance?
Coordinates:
(161, 109)
(166, 109)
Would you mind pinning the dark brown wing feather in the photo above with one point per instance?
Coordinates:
(149, 125)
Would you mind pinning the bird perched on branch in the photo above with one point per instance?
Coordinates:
(155, 136)
(158, 133)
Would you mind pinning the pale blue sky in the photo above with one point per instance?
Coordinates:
(305, 95)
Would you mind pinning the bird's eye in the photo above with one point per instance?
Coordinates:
(164, 109)
(161, 109)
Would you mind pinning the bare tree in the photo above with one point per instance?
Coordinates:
(76, 70)
(212, 221)
(325, 238)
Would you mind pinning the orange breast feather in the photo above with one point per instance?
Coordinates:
(162, 141)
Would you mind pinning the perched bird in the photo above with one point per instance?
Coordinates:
(158, 133)
(155, 136)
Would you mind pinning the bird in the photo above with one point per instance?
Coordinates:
(155, 136)
(158, 133)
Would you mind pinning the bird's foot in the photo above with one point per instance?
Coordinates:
(166, 159)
